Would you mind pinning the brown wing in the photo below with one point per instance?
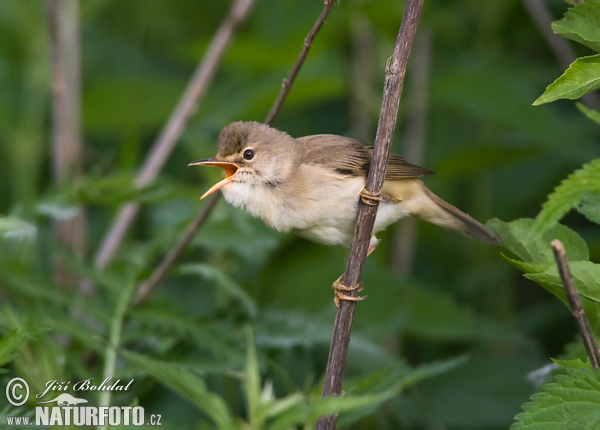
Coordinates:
(349, 157)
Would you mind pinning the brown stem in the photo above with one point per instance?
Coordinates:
(392, 90)
(67, 152)
(165, 142)
(575, 303)
(150, 284)
(147, 287)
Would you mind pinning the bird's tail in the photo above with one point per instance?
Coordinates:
(433, 209)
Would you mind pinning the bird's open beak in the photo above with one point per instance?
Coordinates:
(229, 168)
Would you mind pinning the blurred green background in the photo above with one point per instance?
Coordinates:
(481, 66)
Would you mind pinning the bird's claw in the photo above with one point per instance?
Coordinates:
(339, 287)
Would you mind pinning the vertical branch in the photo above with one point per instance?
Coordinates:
(146, 288)
(67, 146)
(575, 303)
(392, 90)
(165, 142)
(405, 235)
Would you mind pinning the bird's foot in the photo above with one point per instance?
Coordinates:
(339, 288)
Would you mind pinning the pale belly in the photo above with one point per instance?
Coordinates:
(338, 228)
(324, 213)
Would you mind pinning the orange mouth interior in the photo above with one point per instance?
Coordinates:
(229, 168)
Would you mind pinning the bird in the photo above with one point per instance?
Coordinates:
(311, 185)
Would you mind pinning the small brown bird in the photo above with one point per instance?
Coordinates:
(311, 185)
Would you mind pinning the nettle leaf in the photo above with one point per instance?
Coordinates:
(574, 364)
(592, 114)
(582, 77)
(570, 402)
(587, 280)
(517, 238)
(581, 24)
(590, 206)
(537, 261)
(567, 196)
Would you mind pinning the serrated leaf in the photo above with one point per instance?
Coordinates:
(590, 206)
(186, 384)
(516, 237)
(582, 77)
(572, 401)
(528, 266)
(567, 196)
(574, 364)
(592, 114)
(587, 280)
(581, 24)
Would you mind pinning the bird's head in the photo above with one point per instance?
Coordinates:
(254, 154)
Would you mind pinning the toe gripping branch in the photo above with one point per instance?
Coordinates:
(339, 287)
(370, 198)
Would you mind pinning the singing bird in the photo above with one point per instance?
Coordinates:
(311, 185)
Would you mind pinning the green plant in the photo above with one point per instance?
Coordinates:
(571, 401)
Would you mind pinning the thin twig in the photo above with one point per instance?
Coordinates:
(146, 287)
(67, 146)
(150, 284)
(575, 303)
(392, 90)
(289, 81)
(165, 142)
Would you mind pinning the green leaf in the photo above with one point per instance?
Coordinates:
(252, 383)
(516, 237)
(587, 280)
(395, 380)
(582, 77)
(571, 402)
(567, 196)
(573, 364)
(581, 24)
(186, 384)
(592, 114)
(223, 281)
(590, 206)
(13, 340)
(12, 228)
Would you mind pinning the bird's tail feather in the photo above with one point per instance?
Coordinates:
(448, 216)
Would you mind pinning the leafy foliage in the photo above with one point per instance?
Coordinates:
(581, 24)
(568, 195)
(583, 76)
(572, 402)
(62, 318)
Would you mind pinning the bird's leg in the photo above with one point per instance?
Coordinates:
(339, 287)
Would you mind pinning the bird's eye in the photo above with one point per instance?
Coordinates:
(248, 154)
